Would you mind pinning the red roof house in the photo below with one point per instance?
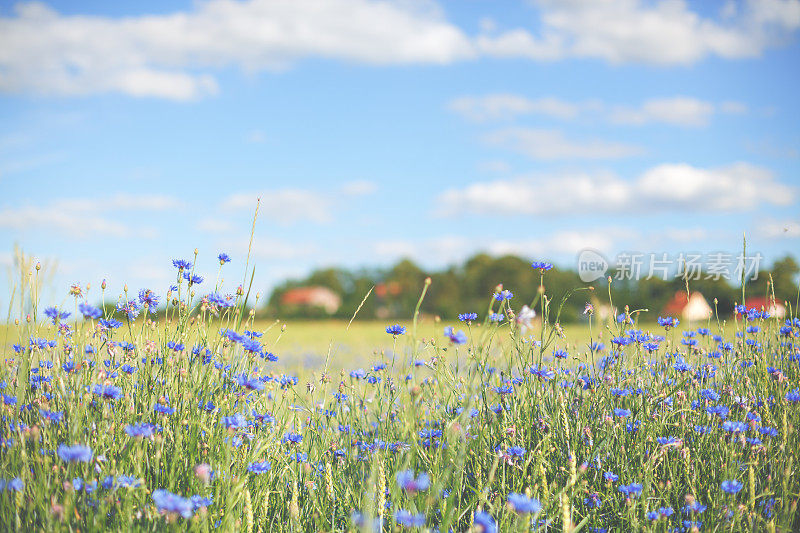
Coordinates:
(321, 297)
(690, 308)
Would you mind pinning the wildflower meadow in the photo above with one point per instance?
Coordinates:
(115, 418)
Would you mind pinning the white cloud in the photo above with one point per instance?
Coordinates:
(551, 144)
(450, 249)
(359, 188)
(779, 229)
(679, 111)
(121, 201)
(285, 206)
(78, 217)
(436, 250)
(507, 106)
(175, 55)
(733, 108)
(46, 52)
(665, 32)
(740, 186)
(75, 223)
(565, 242)
(676, 187)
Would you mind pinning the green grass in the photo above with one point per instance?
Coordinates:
(472, 417)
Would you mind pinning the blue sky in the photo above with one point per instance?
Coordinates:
(131, 134)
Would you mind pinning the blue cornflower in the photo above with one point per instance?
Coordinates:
(395, 330)
(768, 431)
(408, 519)
(223, 258)
(292, 438)
(734, 427)
(406, 481)
(236, 421)
(501, 389)
(53, 416)
(172, 503)
(16, 484)
(141, 430)
(468, 317)
(496, 317)
(148, 298)
(793, 396)
(731, 486)
(130, 308)
(668, 322)
(709, 394)
(593, 501)
(622, 341)
(560, 354)
(193, 279)
(252, 346)
(681, 365)
(503, 295)
(631, 490)
(719, 410)
(200, 501)
(455, 337)
(252, 383)
(694, 507)
(484, 522)
(90, 311)
(622, 413)
(77, 452)
(610, 476)
(54, 315)
(521, 504)
(542, 372)
(623, 318)
(515, 452)
(128, 481)
(163, 409)
(259, 468)
(181, 264)
(110, 323)
(108, 392)
(541, 265)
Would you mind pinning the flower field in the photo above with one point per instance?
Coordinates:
(121, 421)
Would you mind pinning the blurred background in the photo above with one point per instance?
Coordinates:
(388, 141)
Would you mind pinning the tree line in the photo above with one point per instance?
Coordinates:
(467, 288)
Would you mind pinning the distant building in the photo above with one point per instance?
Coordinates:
(312, 297)
(691, 308)
(770, 305)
